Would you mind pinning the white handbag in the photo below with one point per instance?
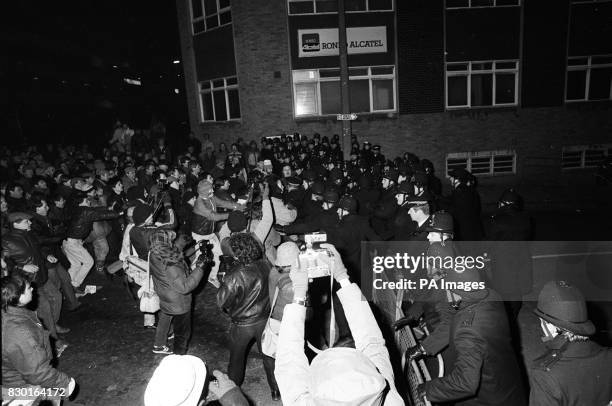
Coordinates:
(149, 300)
(269, 337)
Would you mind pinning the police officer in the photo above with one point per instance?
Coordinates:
(575, 370)
(464, 205)
(482, 366)
(377, 157)
(511, 265)
(440, 227)
(349, 232)
(313, 202)
(325, 220)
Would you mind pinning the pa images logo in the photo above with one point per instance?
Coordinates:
(311, 42)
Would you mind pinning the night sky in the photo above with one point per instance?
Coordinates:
(66, 62)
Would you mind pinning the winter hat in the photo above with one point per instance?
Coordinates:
(345, 376)
(237, 221)
(141, 213)
(286, 254)
(177, 381)
(204, 188)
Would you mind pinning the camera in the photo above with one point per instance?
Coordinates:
(312, 256)
(206, 256)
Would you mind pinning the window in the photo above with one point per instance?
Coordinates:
(589, 78)
(483, 162)
(219, 100)
(481, 84)
(296, 7)
(316, 92)
(584, 156)
(209, 14)
(481, 3)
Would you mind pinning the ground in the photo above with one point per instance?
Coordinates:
(110, 352)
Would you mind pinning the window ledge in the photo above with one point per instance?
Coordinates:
(360, 117)
(229, 122)
(460, 111)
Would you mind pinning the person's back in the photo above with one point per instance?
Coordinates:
(575, 373)
(244, 293)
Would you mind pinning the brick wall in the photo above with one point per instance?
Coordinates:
(537, 134)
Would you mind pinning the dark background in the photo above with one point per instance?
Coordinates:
(64, 63)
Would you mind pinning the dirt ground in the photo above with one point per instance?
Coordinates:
(110, 352)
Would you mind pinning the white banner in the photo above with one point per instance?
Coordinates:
(359, 40)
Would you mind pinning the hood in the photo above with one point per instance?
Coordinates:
(345, 376)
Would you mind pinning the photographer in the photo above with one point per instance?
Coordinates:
(339, 376)
(244, 297)
(174, 283)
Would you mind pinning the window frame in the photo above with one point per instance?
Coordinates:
(314, 8)
(203, 17)
(469, 156)
(318, 79)
(470, 5)
(582, 149)
(493, 71)
(586, 68)
(210, 90)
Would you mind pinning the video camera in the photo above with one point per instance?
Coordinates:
(311, 255)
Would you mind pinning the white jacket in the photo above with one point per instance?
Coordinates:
(294, 374)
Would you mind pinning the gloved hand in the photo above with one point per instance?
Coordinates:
(221, 386)
(335, 262)
(299, 280)
(414, 313)
(421, 393)
(415, 352)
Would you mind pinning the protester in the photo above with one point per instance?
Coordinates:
(174, 282)
(26, 351)
(243, 295)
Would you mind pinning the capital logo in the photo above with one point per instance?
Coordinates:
(311, 42)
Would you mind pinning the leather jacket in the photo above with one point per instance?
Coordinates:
(244, 293)
(83, 219)
(20, 247)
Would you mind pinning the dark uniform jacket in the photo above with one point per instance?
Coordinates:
(575, 373)
(244, 293)
(26, 352)
(482, 368)
(511, 263)
(20, 247)
(465, 208)
(347, 236)
(174, 284)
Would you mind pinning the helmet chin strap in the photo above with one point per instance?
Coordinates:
(550, 331)
(453, 299)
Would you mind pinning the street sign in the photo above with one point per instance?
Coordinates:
(346, 117)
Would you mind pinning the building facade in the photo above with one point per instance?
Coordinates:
(517, 91)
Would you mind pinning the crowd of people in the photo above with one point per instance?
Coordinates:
(163, 221)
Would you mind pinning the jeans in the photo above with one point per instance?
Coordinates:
(241, 338)
(61, 279)
(182, 331)
(80, 260)
(214, 240)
